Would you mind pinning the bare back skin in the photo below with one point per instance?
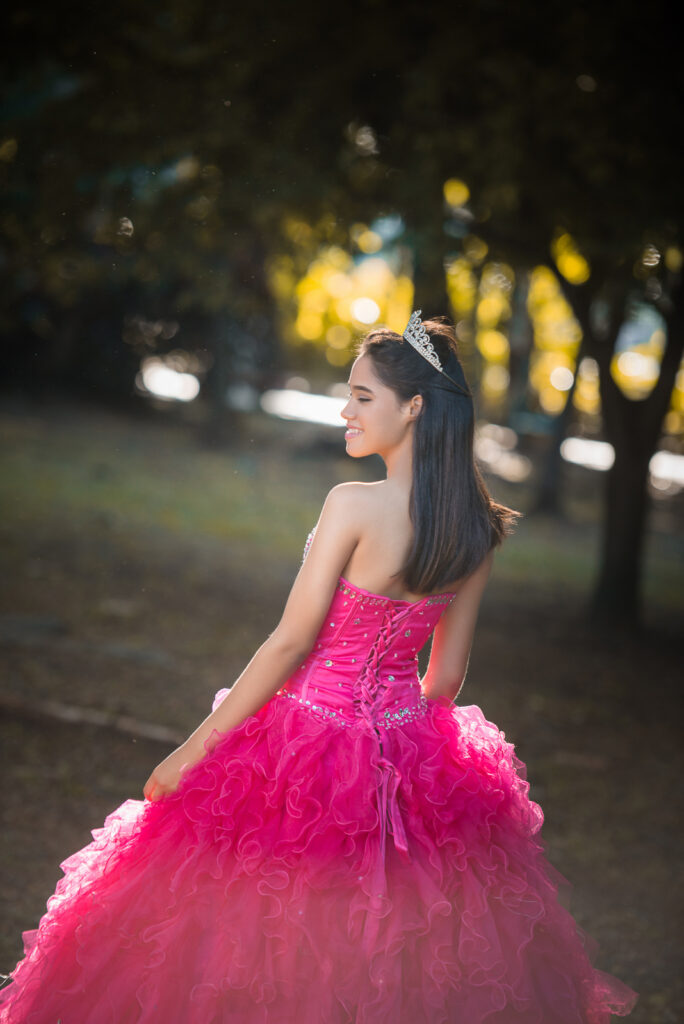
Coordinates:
(384, 541)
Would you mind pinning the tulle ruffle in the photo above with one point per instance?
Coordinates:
(265, 891)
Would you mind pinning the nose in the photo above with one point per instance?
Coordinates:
(344, 413)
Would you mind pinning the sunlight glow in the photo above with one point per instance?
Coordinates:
(365, 310)
(666, 468)
(584, 452)
(290, 404)
(561, 378)
(635, 364)
(164, 382)
(494, 447)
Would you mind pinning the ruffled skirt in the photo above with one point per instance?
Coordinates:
(269, 888)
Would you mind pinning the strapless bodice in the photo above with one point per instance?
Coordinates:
(363, 666)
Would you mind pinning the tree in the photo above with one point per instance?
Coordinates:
(205, 134)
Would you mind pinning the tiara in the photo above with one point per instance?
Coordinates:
(418, 337)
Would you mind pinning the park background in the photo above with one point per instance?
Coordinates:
(203, 209)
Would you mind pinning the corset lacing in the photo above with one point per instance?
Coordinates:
(368, 691)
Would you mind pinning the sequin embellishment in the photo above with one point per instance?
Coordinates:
(388, 719)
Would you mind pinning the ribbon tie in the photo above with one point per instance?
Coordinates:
(389, 807)
(367, 692)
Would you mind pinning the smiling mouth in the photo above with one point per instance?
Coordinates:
(352, 432)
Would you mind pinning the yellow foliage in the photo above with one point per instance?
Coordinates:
(369, 241)
(554, 326)
(490, 309)
(337, 284)
(543, 287)
(399, 304)
(569, 260)
(309, 326)
(338, 336)
(335, 297)
(634, 372)
(8, 150)
(674, 422)
(342, 309)
(456, 192)
(282, 281)
(297, 231)
(493, 345)
(461, 286)
(497, 278)
(337, 357)
(552, 400)
(673, 259)
(313, 299)
(494, 382)
(475, 249)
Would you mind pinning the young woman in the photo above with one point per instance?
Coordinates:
(338, 841)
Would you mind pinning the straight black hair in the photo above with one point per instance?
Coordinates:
(455, 520)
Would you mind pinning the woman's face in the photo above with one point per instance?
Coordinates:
(376, 419)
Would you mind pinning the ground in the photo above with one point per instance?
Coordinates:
(141, 570)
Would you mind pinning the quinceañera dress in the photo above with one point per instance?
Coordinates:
(354, 852)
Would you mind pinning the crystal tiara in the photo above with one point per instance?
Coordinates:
(418, 337)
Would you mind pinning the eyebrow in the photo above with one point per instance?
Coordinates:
(360, 387)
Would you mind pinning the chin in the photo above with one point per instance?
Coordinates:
(361, 453)
(356, 451)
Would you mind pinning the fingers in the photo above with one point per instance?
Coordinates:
(155, 791)
(149, 788)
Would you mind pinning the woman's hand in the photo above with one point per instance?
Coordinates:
(167, 775)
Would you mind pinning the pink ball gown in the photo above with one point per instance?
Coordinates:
(354, 852)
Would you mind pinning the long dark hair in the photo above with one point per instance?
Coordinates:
(455, 521)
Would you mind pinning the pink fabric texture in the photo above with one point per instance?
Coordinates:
(354, 852)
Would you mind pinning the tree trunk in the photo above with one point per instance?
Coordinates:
(548, 497)
(428, 246)
(633, 428)
(616, 600)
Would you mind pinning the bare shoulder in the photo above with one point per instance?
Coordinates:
(353, 490)
(354, 498)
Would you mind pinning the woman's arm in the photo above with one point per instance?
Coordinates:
(334, 541)
(453, 636)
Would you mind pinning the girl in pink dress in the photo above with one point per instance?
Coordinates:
(338, 841)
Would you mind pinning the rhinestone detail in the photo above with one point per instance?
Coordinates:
(307, 705)
(389, 719)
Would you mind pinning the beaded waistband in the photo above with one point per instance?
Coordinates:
(389, 718)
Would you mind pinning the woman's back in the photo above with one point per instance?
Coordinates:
(385, 537)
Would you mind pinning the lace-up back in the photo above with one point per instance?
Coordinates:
(363, 667)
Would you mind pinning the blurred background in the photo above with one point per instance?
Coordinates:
(203, 208)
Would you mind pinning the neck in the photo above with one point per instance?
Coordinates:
(399, 463)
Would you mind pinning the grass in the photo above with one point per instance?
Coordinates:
(258, 496)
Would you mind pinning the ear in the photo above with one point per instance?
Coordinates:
(415, 407)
